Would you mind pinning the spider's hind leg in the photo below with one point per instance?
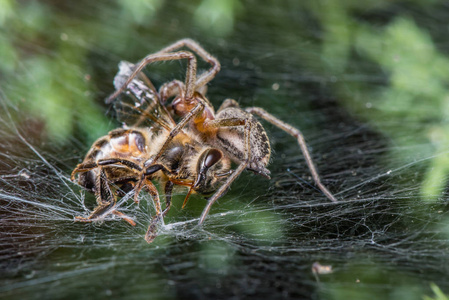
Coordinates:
(228, 103)
(302, 144)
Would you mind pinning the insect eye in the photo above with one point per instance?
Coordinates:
(212, 157)
(208, 158)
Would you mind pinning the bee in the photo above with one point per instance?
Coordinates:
(131, 158)
(234, 131)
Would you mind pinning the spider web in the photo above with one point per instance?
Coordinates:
(383, 237)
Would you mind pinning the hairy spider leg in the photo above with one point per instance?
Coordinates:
(206, 77)
(296, 133)
(170, 89)
(175, 88)
(195, 111)
(190, 75)
(192, 83)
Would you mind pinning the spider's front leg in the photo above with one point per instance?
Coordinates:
(190, 75)
(197, 110)
(205, 77)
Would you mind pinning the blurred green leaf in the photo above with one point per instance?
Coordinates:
(140, 11)
(8, 54)
(217, 16)
(416, 92)
(439, 295)
(6, 11)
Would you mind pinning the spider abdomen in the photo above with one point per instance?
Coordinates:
(232, 140)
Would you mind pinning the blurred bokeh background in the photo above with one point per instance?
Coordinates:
(365, 81)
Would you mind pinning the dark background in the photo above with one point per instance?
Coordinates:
(365, 81)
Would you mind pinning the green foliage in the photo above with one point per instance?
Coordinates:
(140, 11)
(362, 279)
(52, 85)
(416, 93)
(217, 16)
(439, 295)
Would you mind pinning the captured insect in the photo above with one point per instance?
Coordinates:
(196, 151)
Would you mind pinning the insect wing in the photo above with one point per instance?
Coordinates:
(139, 103)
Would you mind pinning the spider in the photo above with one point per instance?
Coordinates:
(232, 130)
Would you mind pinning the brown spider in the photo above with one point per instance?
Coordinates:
(232, 130)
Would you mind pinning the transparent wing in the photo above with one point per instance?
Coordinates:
(139, 104)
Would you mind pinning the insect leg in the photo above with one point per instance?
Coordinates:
(124, 217)
(105, 199)
(198, 109)
(86, 167)
(151, 232)
(124, 162)
(83, 167)
(222, 190)
(152, 228)
(168, 193)
(302, 144)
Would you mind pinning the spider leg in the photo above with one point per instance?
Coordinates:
(228, 103)
(195, 111)
(206, 77)
(171, 89)
(222, 190)
(160, 56)
(174, 88)
(302, 144)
